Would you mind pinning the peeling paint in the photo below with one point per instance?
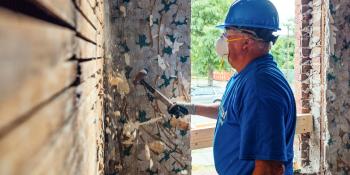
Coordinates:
(161, 62)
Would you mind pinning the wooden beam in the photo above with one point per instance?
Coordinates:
(202, 135)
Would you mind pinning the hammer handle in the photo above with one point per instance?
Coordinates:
(157, 94)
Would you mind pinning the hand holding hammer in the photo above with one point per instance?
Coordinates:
(173, 108)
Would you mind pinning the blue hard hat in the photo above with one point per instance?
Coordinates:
(253, 14)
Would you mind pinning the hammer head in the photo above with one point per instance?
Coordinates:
(140, 76)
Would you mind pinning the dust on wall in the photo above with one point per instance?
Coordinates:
(140, 137)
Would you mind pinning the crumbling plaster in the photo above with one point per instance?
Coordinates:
(337, 52)
(141, 138)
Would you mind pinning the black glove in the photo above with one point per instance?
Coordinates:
(178, 110)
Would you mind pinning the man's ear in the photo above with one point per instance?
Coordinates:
(246, 45)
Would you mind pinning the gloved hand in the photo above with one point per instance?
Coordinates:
(181, 109)
(178, 110)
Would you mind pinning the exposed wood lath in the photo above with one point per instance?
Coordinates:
(51, 79)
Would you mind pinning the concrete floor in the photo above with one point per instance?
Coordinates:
(202, 159)
(203, 162)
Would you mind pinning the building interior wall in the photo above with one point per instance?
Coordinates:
(141, 138)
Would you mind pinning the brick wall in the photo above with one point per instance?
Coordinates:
(308, 93)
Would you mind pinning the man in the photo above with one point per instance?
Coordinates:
(256, 118)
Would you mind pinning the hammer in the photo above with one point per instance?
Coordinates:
(139, 78)
(179, 110)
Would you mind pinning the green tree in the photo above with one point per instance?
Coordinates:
(206, 14)
(283, 50)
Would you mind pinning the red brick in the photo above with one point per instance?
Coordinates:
(306, 69)
(304, 1)
(305, 86)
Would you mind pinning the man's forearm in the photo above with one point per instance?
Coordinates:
(206, 110)
(210, 110)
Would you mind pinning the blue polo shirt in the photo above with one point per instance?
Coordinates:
(256, 120)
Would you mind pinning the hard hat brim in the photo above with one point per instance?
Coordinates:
(224, 26)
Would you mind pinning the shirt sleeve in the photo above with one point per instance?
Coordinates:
(263, 129)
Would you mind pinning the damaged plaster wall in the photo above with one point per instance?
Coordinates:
(312, 163)
(308, 82)
(337, 52)
(141, 138)
(324, 84)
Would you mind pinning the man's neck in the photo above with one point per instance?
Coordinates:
(243, 62)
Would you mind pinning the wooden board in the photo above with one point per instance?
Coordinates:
(88, 116)
(91, 79)
(85, 29)
(92, 3)
(64, 149)
(20, 145)
(91, 69)
(86, 9)
(63, 9)
(304, 123)
(33, 68)
(100, 43)
(85, 49)
(99, 10)
(73, 149)
(202, 135)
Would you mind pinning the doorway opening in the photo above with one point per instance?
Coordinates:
(211, 73)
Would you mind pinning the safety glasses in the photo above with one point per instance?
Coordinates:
(252, 34)
(231, 39)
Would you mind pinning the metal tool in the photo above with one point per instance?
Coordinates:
(139, 78)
